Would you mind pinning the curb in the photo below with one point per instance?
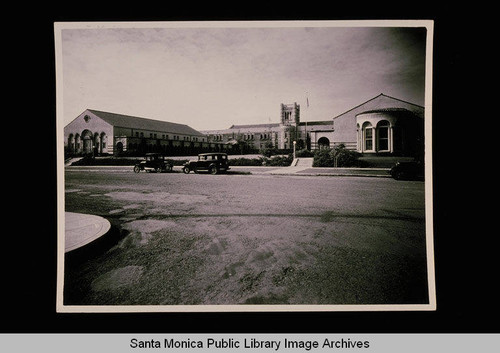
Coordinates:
(332, 175)
(82, 229)
(275, 171)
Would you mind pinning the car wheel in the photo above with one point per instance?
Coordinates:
(158, 169)
(168, 168)
(186, 170)
(213, 170)
(137, 169)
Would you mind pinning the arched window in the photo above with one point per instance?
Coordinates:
(368, 137)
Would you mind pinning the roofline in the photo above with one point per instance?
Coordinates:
(78, 116)
(385, 110)
(211, 153)
(369, 100)
(381, 94)
(247, 126)
(96, 112)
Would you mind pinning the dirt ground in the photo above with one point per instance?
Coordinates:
(243, 239)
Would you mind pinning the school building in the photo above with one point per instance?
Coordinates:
(382, 126)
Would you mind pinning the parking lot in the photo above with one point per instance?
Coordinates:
(241, 238)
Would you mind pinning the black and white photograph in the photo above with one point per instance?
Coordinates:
(244, 166)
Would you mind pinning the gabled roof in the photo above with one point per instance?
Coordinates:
(254, 126)
(385, 110)
(382, 102)
(134, 122)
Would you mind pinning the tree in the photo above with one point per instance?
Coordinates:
(269, 149)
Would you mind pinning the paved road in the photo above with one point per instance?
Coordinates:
(249, 239)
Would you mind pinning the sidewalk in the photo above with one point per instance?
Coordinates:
(266, 170)
(82, 229)
(310, 171)
(304, 166)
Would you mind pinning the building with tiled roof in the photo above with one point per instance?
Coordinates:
(382, 125)
(279, 135)
(99, 132)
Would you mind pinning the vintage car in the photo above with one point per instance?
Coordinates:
(154, 162)
(408, 171)
(213, 163)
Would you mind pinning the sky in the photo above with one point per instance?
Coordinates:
(211, 77)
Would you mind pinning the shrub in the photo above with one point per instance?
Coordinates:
(268, 150)
(251, 162)
(91, 161)
(304, 153)
(337, 157)
(280, 161)
(345, 157)
(323, 158)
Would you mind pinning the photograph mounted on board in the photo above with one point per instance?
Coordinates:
(244, 166)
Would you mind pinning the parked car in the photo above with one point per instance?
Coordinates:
(408, 171)
(154, 162)
(213, 163)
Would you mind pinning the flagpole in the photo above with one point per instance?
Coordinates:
(307, 108)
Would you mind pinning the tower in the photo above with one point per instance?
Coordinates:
(290, 119)
(290, 114)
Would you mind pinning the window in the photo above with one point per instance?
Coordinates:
(358, 138)
(368, 137)
(383, 136)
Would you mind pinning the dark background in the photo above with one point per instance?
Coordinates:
(466, 267)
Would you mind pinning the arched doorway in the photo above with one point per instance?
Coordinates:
(71, 143)
(119, 147)
(87, 141)
(97, 144)
(323, 143)
(104, 140)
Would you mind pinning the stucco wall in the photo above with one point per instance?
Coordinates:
(345, 124)
(88, 123)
